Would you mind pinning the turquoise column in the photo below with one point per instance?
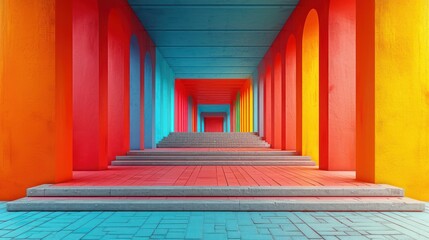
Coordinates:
(164, 104)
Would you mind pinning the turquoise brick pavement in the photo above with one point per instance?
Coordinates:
(212, 225)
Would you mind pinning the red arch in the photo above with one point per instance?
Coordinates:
(310, 85)
(268, 105)
(290, 94)
(277, 103)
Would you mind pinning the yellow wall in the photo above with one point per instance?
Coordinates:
(310, 87)
(251, 108)
(402, 95)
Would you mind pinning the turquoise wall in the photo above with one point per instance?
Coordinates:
(164, 98)
(215, 108)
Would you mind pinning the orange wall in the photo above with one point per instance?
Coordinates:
(35, 94)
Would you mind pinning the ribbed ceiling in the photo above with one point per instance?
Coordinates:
(213, 38)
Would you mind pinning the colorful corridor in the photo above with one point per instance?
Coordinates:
(280, 105)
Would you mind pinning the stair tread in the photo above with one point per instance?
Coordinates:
(290, 191)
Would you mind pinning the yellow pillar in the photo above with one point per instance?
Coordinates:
(251, 108)
(402, 95)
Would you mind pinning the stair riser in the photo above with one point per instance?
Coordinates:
(255, 153)
(213, 192)
(212, 140)
(186, 145)
(216, 158)
(212, 163)
(226, 205)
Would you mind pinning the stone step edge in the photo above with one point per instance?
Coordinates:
(344, 205)
(48, 190)
(207, 146)
(211, 163)
(219, 158)
(213, 153)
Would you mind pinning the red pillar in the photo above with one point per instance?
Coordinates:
(290, 89)
(338, 86)
(88, 137)
(268, 106)
(118, 83)
(277, 103)
(365, 90)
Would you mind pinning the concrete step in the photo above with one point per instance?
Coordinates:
(49, 190)
(210, 153)
(210, 163)
(187, 145)
(326, 204)
(212, 140)
(216, 157)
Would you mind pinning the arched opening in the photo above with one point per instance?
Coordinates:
(290, 94)
(310, 86)
(149, 117)
(134, 94)
(277, 105)
(117, 116)
(261, 95)
(268, 106)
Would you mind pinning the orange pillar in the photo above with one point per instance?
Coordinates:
(365, 90)
(35, 94)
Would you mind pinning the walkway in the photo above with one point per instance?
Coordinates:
(213, 176)
(212, 225)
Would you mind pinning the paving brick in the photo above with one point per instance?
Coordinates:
(215, 225)
(307, 231)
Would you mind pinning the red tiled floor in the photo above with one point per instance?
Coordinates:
(213, 176)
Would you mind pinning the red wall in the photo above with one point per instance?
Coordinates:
(181, 107)
(213, 124)
(101, 79)
(337, 83)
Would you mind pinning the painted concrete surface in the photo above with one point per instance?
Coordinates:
(406, 134)
(212, 225)
(197, 36)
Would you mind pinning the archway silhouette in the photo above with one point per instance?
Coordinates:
(149, 115)
(310, 86)
(135, 94)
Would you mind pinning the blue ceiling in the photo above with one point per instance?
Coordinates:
(213, 38)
